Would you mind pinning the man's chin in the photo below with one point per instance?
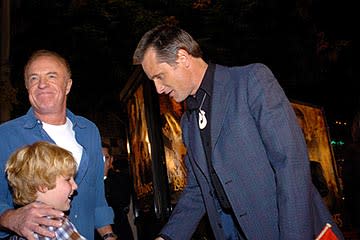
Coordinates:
(65, 208)
(177, 99)
(174, 97)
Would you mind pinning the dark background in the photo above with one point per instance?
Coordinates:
(308, 44)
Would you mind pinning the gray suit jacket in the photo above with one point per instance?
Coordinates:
(260, 156)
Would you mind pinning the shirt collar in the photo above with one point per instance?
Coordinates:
(31, 119)
(193, 102)
(208, 80)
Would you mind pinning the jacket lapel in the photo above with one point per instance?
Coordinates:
(220, 102)
(194, 144)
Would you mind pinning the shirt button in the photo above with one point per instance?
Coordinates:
(75, 216)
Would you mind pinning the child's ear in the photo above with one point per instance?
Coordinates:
(42, 189)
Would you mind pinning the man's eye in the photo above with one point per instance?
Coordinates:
(33, 78)
(158, 78)
(52, 76)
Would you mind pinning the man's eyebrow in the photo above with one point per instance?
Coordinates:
(155, 76)
(36, 74)
(51, 73)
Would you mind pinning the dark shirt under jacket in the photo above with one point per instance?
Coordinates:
(193, 104)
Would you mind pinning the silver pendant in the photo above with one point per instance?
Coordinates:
(202, 119)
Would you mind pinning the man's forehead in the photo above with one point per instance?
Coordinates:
(45, 61)
(150, 55)
(45, 58)
(150, 64)
(45, 64)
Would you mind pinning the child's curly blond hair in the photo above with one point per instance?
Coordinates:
(36, 166)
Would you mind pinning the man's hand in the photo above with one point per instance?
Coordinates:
(159, 238)
(30, 219)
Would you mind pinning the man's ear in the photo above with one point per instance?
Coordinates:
(68, 85)
(183, 57)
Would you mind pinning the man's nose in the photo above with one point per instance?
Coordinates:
(159, 87)
(74, 185)
(43, 81)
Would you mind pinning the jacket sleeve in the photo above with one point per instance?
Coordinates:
(104, 214)
(5, 194)
(286, 151)
(190, 208)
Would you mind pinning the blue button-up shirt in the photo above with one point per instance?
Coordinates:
(89, 209)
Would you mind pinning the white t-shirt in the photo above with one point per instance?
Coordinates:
(64, 136)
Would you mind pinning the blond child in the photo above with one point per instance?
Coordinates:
(43, 172)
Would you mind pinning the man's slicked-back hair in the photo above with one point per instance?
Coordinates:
(166, 40)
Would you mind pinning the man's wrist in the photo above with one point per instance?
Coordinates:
(109, 235)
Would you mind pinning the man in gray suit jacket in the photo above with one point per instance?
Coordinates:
(246, 156)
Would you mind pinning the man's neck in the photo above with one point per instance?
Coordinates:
(53, 119)
(199, 70)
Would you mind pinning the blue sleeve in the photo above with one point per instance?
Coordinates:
(5, 194)
(286, 150)
(104, 214)
(190, 208)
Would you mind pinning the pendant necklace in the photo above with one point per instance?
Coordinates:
(202, 117)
